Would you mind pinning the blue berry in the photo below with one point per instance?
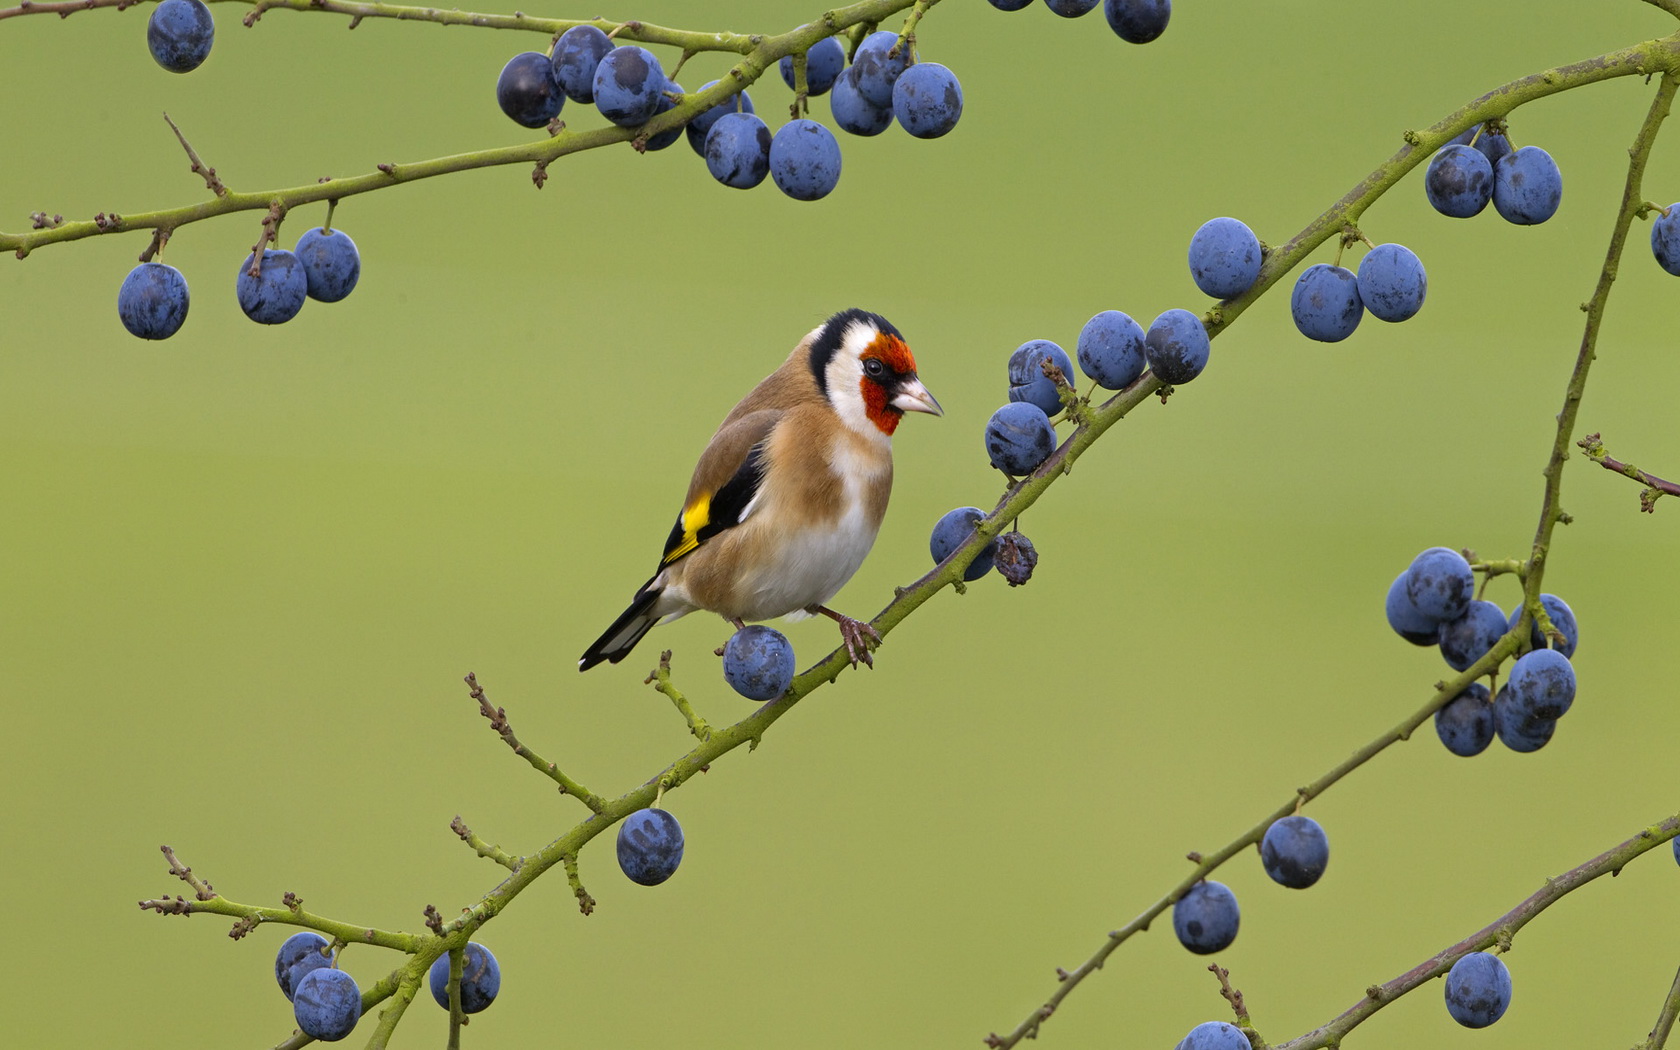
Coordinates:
(1563, 618)
(1325, 303)
(1465, 724)
(326, 1004)
(738, 150)
(179, 34)
(1019, 437)
(1110, 350)
(1137, 21)
(1478, 990)
(655, 143)
(277, 295)
(1405, 618)
(1206, 918)
(1010, 5)
(1439, 584)
(1214, 1035)
(301, 953)
(152, 302)
(1676, 850)
(927, 100)
(952, 531)
(1224, 258)
(1468, 638)
(576, 57)
(1665, 239)
(331, 264)
(527, 90)
(650, 846)
(854, 113)
(1459, 182)
(1516, 730)
(758, 662)
(1176, 346)
(1392, 283)
(628, 85)
(805, 160)
(875, 67)
(481, 978)
(740, 102)
(1071, 8)
(1527, 186)
(1542, 684)
(1027, 381)
(1494, 147)
(823, 64)
(1294, 852)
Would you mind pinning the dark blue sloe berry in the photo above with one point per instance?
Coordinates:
(527, 90)
(927, 100)
(1110, 350)
(852, 112)
(738, 150)
(758, 662)
(1439, 584)
(1468, 638)
(1527, 186)
(1494, 147)
(301, 953)
(1478, 990)
(1137, 21)
(1010, 5)
(952, 531)
(1071, 8)
(1563, 618)
(1295, 852)
(1465, 724)
(1206, 918)
(331, 264)
(1224, 258)
(481, 978)
(650, 846)
(655, 143)
(277, 294)
(326, 1004)
(1019, 437)
(1176, 346)
(152, 302)
(1405, 618)
(805, 160)
(876, 66)
(1459, 182)
(1542, 684)
(740, 102)
(1214, 1035)
(1516, 730)
(576, 57)
(628, 85)
(1392, 283)
(1325, 303)
(1665, 239)
(1027, 381)
(179, 34)
(823, 64)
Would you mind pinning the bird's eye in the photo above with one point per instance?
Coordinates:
(874, 368)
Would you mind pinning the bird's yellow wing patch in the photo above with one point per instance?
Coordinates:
(686, 536)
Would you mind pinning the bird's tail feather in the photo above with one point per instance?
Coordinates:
(617, 641)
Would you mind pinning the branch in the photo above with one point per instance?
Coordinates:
(499, 722)
(759, 53)
(660, 679)
(1665, 1019)
(482, 848)
(253, 915)
(1498, 932)
(1671, 6)
(1655, 487)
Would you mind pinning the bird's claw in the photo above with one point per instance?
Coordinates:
(860, 637)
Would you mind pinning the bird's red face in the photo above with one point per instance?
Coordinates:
(889, 385)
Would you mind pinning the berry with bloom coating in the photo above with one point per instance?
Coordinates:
(741, 102)
(1439, 583)
(1295, 852)
(1224, 258)
(1392, 283)
(628, 85)
(326, 1004)
(301, 953)
(927, 100)
(1325, 303)
(576, 57)
(276, 295)
(179, 34)
(1465, 724)
(1542, 684)
(1469, 637)
(823, 64)
(758, 662)
(877, 65)
(1176, 346)
(805, 160)
(527, 90)
(1137, 21)
(1214, 1035)
(1027, 381)
(952, 531)
(331, 264)
(152, 302)
(1019, 437)
(1206, 918)
(853, 112)
(1516, 730)
(1459, 182)
(481, 978)
(1563, 618)
(650, 846)
(1478, 990)
(738, 150)
(1110, 350)
(1405, 618)
(1527, 186)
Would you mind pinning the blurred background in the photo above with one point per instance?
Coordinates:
(246, 568)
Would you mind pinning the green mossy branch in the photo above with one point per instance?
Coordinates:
(1665, 1019)
(758, 52)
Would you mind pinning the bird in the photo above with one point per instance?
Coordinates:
(788, 496)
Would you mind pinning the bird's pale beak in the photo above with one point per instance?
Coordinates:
(914, 397)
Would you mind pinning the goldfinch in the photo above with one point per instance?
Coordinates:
(788, 496)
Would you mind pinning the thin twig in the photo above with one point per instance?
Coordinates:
(1655, 487)
(499, 722)
(660, 679)
(1665, 1019)
(482, 848)
(207, 173)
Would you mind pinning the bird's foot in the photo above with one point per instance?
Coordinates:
(860, 637)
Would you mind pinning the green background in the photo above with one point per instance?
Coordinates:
(245, 568)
